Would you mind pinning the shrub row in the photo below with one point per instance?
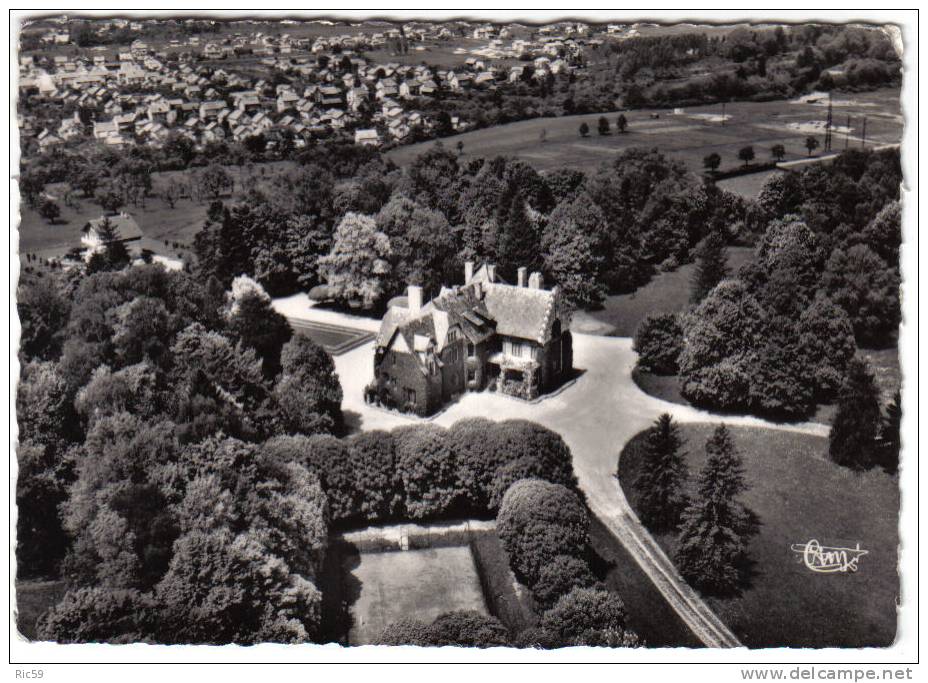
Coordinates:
(426, 471)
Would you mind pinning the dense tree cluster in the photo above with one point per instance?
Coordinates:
(544, 528)
(776, 340)
(368, 237)
(751, 63)
(658, 343)
(144, 396)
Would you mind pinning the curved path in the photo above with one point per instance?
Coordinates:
(597, 415)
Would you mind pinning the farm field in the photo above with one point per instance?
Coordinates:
(665, 293)
(411, 584)
(800, 495)
(689, 136)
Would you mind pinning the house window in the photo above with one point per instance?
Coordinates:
(393, 355)
(471, 350)
(471, 374)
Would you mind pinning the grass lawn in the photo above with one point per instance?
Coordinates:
(665, 293)
(413, 584)
(800, 495)
(689, 136)
(33, 599)
(333, 338)
(747, 186)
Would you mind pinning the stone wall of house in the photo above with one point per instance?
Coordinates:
(453, 373)
(477, 364)
(397, 373)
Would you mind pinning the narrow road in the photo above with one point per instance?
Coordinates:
(596, 416)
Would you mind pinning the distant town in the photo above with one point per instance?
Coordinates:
(200, 87)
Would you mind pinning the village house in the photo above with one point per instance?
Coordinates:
(367, 136)
(485, 334)
(123, 224)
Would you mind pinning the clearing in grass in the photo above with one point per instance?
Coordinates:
(411, 584)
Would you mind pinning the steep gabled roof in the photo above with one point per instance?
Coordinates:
(523, 312)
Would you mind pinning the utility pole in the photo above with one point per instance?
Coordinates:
(863, 135)
(828, 126)
(847, 133)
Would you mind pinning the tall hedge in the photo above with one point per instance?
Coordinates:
(538, 521)
(425, 463)
(529, 450)
(373, 461)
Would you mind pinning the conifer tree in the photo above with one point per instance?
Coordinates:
(518, 243)
(853, 437)
(662, 478)
(890, 434)
(716, 526)
(711, 266)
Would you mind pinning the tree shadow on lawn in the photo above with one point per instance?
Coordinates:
(341, 589)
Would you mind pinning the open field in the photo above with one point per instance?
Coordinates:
(689, 136)
(412, 584)
(665, 293)
(800, 495)
(749, 185)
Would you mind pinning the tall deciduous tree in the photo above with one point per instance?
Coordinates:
(712, 161)
(811, 144)
(662, 479)
(308, 392)
(574, 245)
(357, 269)
(252, 320)
(422, 244)
(621, 123)
(868, 290)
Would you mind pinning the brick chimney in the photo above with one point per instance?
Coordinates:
(535, 281)
(522, 272)
(468, 271)
(414, 297)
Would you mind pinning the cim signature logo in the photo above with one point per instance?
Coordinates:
(826, 560)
